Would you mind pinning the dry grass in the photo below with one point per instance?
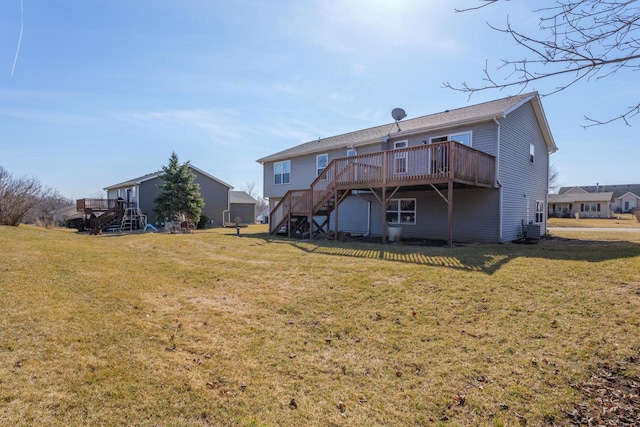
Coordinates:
(620, 221)
(210, 329)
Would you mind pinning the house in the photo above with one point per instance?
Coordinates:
(242, 208)
(581, 203)
(477, 173)
(142, 191)
(595, 200)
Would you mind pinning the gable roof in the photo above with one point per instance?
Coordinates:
(580, 197)
(618, 190)
(498, 108)
(147, 177)
(241, 197)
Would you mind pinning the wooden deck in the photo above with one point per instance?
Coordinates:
(429, 165)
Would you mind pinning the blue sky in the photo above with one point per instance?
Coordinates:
(104, 90)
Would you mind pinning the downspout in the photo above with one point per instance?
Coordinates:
(501, 195)
(368, 214)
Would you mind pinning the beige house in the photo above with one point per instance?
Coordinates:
(577, 202)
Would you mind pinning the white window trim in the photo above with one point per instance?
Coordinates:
(452, 136)
(399, 156)
(540, 212)
(399, 211)
(532, 153)
(318, 157)
(282, 173)
(352, 152)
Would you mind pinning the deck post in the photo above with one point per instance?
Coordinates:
(384, 198)
(450, 212)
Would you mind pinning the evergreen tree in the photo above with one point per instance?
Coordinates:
(179, 195)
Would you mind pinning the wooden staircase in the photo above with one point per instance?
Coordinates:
(296, 213)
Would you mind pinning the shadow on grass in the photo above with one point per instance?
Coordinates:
(478, 257)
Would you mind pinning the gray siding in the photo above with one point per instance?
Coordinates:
(215, 195)
(475, 216)
(523, 182)
(303, 171)
(246, 212)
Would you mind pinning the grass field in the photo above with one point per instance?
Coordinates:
(210, 329)
(619, 221)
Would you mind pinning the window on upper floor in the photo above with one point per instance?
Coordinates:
(351, 152)
(322, 160)
(400, 159)
(282, 172)
(462, 137)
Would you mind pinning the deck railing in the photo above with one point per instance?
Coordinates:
(435, 163)
(295, 202)
(101, 205)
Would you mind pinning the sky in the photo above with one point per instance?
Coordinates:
(97, 92)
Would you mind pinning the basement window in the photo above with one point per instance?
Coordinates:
(401, 211)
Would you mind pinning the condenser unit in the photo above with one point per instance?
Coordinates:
(531, 231)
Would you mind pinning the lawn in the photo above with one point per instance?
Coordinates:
(619, 221)
(211, 329)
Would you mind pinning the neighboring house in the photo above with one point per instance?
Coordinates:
(625, 198)
(577, 202)
(143, 190)
(243, 207)
(478, 173)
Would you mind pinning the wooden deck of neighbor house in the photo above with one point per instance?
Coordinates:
(439, 166)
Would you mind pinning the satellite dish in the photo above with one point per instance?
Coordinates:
(398, 114)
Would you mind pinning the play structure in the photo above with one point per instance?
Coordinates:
(112, 215)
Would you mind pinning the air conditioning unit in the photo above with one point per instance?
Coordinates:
(531, 231)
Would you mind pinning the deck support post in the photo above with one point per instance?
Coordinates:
(335, 211)
(450, 212)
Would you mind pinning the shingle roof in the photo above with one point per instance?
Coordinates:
(580, 197)
(446, 119)
(618, 190)
(241, 197)
(149, 176)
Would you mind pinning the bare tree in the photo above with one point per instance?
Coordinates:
(578, 40)
(48, 211)
(554, 179)
(17, 197)
(250, 189)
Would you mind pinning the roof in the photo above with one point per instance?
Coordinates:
(149, 176)
(446, 119)
(241, 197)
(618, 190)
(580, 197)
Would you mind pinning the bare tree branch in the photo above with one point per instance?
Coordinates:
(579, 40)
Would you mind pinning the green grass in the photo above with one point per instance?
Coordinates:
(211, 329)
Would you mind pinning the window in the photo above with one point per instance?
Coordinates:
(400, 159)
(401, 211)
(463, 138)
(590, 207)
(539, 211)
(532, 152)
(282, 172)
(322, 160)
(351, 152)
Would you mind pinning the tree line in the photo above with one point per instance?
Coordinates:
(25, 199)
